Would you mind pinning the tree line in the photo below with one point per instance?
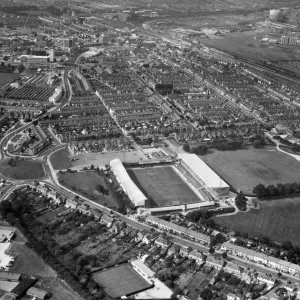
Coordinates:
(280, 189)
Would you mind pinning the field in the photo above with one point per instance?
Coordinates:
(245, 45)
(243, 169)
(22, 169)
(27, 262)
(162, 186)
(121, 280)
(6, 78)
(86, 182)
(16, 138)
(60, 160)
(278, 219)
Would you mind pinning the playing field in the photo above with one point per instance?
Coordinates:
(60, 160)
(243, 169)
(22, 169)
(120, 281)
(278, 219)
(163, 186)
(85, 183)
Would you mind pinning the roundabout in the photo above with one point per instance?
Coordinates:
(18, 169)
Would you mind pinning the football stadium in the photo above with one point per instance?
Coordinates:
(181, 184)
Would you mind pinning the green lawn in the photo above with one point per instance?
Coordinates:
(243, 169)
(22, 169)
(60, 160)
(278, 219)
(86, 182)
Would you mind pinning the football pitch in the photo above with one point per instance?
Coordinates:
(245, 168)
(163, 186)
(120, 281)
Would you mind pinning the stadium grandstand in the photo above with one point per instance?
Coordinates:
(128, 186)
(212, 185)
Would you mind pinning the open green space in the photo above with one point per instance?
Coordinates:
(16, 137)
(22, 169)
(6, 78)
(60, 160)
(120, 281)
(85, 184)
(163, 186)
(244, 169)
(278, 219)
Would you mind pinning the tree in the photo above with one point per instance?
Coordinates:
(260, 190)
(5, 207)
(224, 255)
(211, 250)
(206, 294)
(92, 167)
(287, 245)
(186, 147)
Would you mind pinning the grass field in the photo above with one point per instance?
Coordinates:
(120, 281)
(162, 186)
(278, 219)
(86, 182)
(60, 160)
(28, 262)
(6, 78)
(22, 169)
(243, 169)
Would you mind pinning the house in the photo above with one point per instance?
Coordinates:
(53, 194)
(215, 262)
(107, 220)
(7, 235)
(42, 189)
(72, 203)
(6, 276)
(162, 242)
(184, 250)
(268, 279)
(23, 286)
(38, 293)
(261, 258)
(174, 249)
(183, 231)
(140, 235)
(291, 287)
(197, 256)
(147, 238)
(84, 209)
(233, 268)
(231, 296)
(8, 296)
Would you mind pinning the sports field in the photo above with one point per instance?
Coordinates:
(243, 169)
(22, 169)
(120, 281)
(278, 219)
(163, 186)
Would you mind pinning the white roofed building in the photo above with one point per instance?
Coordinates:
(128, 186)
(205, 175)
